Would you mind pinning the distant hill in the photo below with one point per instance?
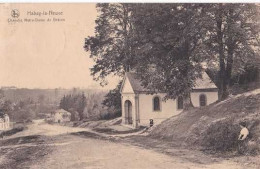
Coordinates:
(48, 96)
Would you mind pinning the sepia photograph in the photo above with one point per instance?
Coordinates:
(130, 85)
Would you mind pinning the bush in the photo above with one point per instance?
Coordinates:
(49, 120)
(13, 131)
(252, 148)
(110, 115)
(221, 136)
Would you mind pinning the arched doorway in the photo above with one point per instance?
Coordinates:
(128, 112)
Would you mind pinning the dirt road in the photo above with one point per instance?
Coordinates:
(57, 148)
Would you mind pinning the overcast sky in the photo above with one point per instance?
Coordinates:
(47, 54)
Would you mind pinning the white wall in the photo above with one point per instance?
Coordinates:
(168, 109)
(2, 126)
(5, 123)
(211, 97)
(142, 107)
(58, 116)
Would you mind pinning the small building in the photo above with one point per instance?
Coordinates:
(60, 116)
(138, 106)
(4, 122)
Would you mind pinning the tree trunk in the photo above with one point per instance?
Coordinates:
(230, 51)
(187, 102)
(223, 83)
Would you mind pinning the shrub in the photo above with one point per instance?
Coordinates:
(13, 131)
(221, 136)
(110, 115)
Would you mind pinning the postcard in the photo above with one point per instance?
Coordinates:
(129, 85)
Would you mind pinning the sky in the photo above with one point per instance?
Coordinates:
(49, 53)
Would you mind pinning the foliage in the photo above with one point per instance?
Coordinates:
(113, 102)
(215, 127)
(94, 109)
(85, 106)
(232, 37)
(250, 74)
(169, 37)
(16, 129)
(112, 47)
(221, 136)
(167, 44)
(74, 102)
(1, 102)
(23, 104)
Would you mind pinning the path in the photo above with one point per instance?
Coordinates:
(70, 151)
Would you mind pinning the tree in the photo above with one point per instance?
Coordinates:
(112, 47)
(63, 103)
(168, 43)
(81, 105)
(169, 36)
(113, 100)
(2, 98)
(232, 36)
(177, 38)
(7, 106)
(138, 36)
(56, 95)
(41, 98)
(73, 103)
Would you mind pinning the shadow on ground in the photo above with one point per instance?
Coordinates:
(21, 152)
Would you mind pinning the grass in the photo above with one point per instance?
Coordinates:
(21, 152)
(112, 131)
(214, 128)
(16, 129)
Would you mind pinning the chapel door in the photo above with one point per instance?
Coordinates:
(128, 112)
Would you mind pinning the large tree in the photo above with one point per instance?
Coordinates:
(165, 36)
(168, 43)
(112, 47)
(169, 36)
(232, 37)
(176, 39)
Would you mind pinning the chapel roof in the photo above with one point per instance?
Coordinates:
(135, 82)
(203, 83)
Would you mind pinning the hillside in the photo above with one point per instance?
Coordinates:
(49, 95)
(23, 104)
(215, 127)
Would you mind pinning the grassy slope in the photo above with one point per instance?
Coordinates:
(199, 127)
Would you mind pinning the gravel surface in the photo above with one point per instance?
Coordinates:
(56, 147)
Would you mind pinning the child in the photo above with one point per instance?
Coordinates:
(244, 132)
(243, 139)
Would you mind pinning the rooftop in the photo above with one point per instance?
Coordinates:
(61, 111)
(201, 83)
